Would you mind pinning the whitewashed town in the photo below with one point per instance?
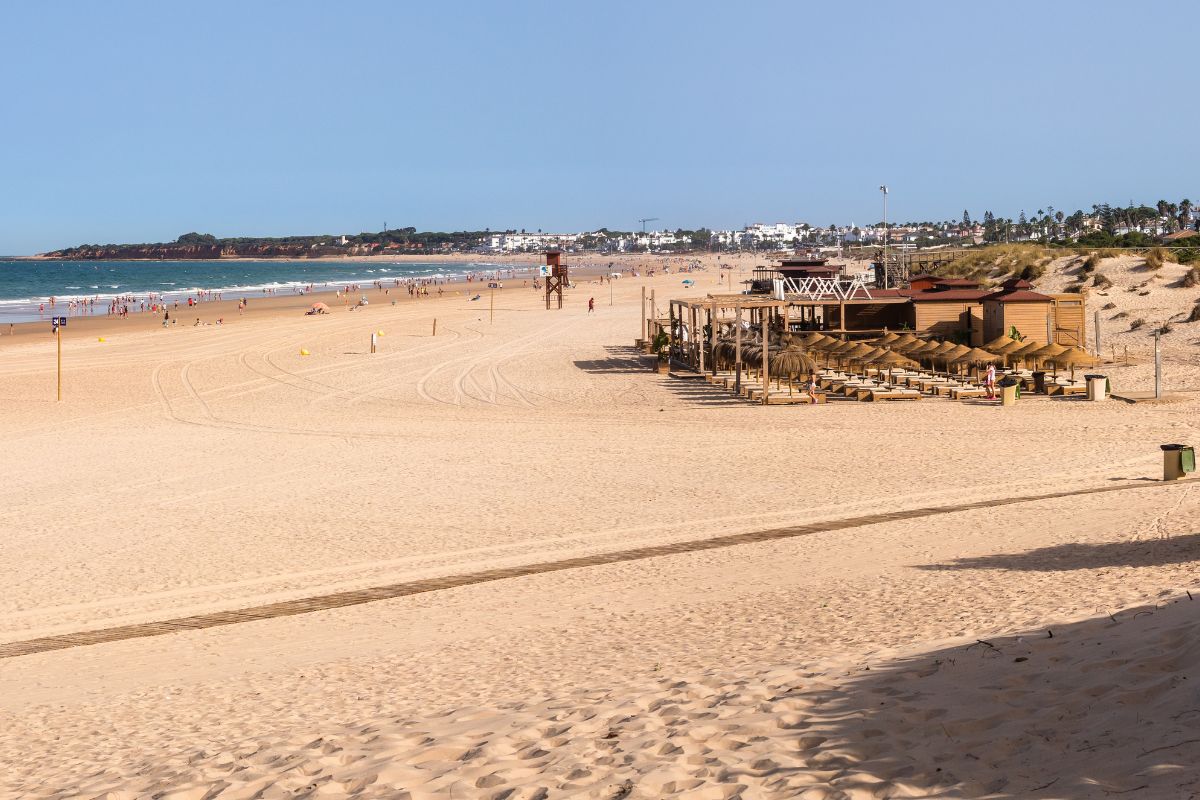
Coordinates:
(1140, 225)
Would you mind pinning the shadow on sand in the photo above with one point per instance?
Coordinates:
(1148, 552)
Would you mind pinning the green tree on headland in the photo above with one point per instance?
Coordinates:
(196, 238)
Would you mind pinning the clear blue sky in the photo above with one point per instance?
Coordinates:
(139, 121)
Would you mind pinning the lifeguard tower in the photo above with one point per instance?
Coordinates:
(555, 273)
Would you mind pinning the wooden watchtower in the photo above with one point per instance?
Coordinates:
(556, 276)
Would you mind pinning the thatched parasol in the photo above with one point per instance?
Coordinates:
(859, 349)
(999, 341)
(815, 339)
(789, 363)
(903, 339)
(977, 355)
(1046, 352)
(887, 338)
(1072, 357)
(951, 355)
(1005, 347)
(1025, 351)
(891, 359)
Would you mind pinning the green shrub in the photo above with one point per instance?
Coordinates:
(1137, 323)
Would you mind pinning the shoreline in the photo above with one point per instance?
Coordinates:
(260, 305)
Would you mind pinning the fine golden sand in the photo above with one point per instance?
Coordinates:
(1043, 648)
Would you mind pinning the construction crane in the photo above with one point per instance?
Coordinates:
(647, 219)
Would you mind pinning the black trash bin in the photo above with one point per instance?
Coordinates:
(1039, 381)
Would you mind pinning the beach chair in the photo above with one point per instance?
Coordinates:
(1064, 389)
(892, 393)
(963, 392)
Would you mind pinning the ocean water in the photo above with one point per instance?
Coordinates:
(24, 285)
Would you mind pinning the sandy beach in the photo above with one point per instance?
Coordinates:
(924, 619)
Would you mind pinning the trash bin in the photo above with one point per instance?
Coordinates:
(1039, 381)
(1009, 394)
(1178, 460)
(1097, 387)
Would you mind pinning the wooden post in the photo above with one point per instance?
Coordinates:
(712, 337)
(435, 326)
(766, 335)
(491, 305)
(58, 335)
(1049, 329)
(700, 338)
(372, 341)
(1157, 367)
(842, 314)
(1097, 324)
(643, 312)
(737, 354)
(653, 307)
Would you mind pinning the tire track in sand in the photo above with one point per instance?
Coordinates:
(326, 602)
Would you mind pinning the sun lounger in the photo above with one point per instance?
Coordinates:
(1054, 389)
(874, 395)
(961, 392)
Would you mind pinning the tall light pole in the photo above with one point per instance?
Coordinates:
(884, 190)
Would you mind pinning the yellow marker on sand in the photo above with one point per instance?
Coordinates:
(304, 352)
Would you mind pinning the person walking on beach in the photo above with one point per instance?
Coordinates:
(989, 381)
(591, 304)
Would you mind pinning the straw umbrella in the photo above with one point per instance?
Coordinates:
(1005, 347)
(790, 363)
(902, 340)
(887, 338)
(814, 339)
(1047, 352)
(977, 355)
(909, 347)
(1025, 351)
(952, 355)
(1073, 356)
(999, 341)
(857, 352)
(892, 359)
(872, 354)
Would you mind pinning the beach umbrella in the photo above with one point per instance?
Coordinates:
(1005, 347)
(1072, 357)
(908, 347)
(869, 356)
(1023, 351)
(953, 353)
(790, 363)
(977, 355)
(999, 341)
(918, 351)
(887, 338)
(903, 339)
(893, 360)
(1046, 352)
(814, 339)
(941, 347)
